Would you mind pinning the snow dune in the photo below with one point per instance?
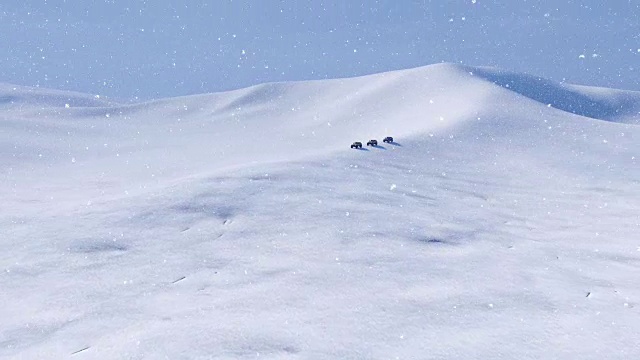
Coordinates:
(596, 103)
(13, 96)
(502, 223)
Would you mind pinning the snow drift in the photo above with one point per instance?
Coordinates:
(501, 224)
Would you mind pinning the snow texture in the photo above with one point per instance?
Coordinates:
(502, 224)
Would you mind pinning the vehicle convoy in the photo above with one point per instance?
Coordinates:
(372, 142)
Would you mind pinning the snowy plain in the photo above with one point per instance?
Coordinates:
(503, 223)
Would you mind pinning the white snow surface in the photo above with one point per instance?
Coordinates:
(503, 223)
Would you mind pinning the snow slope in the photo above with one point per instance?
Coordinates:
(13, 96)
(502, 224)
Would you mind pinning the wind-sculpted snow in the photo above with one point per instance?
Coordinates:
(584, 101)
(20, 96)
(241, 224)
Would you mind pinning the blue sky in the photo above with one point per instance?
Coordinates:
(161, 48)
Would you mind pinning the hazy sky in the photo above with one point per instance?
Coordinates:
(160, 48)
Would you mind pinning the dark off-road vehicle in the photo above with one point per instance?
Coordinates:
(356, 145)
(388, 139)
(372, 143)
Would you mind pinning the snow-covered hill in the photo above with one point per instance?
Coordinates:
(502, 223)
(13, 96)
